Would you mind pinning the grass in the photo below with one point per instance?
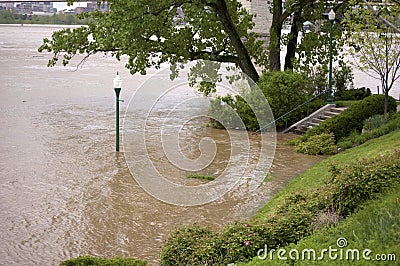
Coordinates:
(268, 177)
(375, 227)
(315, 176)
(200, 176)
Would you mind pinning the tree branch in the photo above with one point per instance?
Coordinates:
(216, 56)
(388, 23)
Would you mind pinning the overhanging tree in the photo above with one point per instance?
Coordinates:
(375, 44)
(152, 32)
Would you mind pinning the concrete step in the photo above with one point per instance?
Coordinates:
(315, 119)
(312, 124)
(300, 130)
(324, 117)
(338, 110)
(328, 113)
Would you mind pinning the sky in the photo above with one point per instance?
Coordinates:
(63, 5)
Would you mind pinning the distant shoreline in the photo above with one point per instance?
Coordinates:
(9, 18)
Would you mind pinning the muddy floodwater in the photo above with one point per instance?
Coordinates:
(64, 190)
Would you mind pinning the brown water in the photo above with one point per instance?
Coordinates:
(65, 191)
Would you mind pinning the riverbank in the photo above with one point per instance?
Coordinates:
(7, 17)
(306, 183)
(324, 196)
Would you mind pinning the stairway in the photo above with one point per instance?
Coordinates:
(314, 119)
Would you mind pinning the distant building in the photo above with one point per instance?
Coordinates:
(46, 8)
(263, 19)
(30, 7)
(92, 6)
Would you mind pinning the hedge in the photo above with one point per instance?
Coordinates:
(352, 118)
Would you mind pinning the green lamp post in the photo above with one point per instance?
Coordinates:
(117, 88)
(331, 16)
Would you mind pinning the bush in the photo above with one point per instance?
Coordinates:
(91, 261)
(354, 184)
(235, 111)
(191, 245)
(284, 91)
(323, 144)
(373, 122)
(356, 138)
(239, 242)
(352, 94)
(352, 118)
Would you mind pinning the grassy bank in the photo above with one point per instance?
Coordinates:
(374, 225)
(367, 237)
(316, 176)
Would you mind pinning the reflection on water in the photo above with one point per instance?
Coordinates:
(64, 192)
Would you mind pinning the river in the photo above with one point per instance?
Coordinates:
(64, 190)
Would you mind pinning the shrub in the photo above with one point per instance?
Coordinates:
(352, 118)
(92, 261)
(352, 94)
(248, 111)
(373, 122)
(356, 183)
(356, 138)
(284, 91)
(344, 145)
(241, 241)
(191, 245)
(323, 144)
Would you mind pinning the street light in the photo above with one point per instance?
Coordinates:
(331, 16)
(117, 88)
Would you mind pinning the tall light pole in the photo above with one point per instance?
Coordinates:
(331, 16)
(117, 82)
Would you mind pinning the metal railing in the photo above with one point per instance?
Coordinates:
(291, 111)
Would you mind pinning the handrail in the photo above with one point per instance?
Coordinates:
(294, 109)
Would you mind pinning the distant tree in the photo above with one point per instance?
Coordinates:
(374, 44)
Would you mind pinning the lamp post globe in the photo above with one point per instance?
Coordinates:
(331, 16)
(117, 83)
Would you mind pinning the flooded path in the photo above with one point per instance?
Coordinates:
(64, 191)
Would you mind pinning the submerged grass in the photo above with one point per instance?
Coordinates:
(202, 177)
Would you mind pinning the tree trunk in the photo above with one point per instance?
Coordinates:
(275, 36)
(245, 62)
(385, 105)
(292, 43)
